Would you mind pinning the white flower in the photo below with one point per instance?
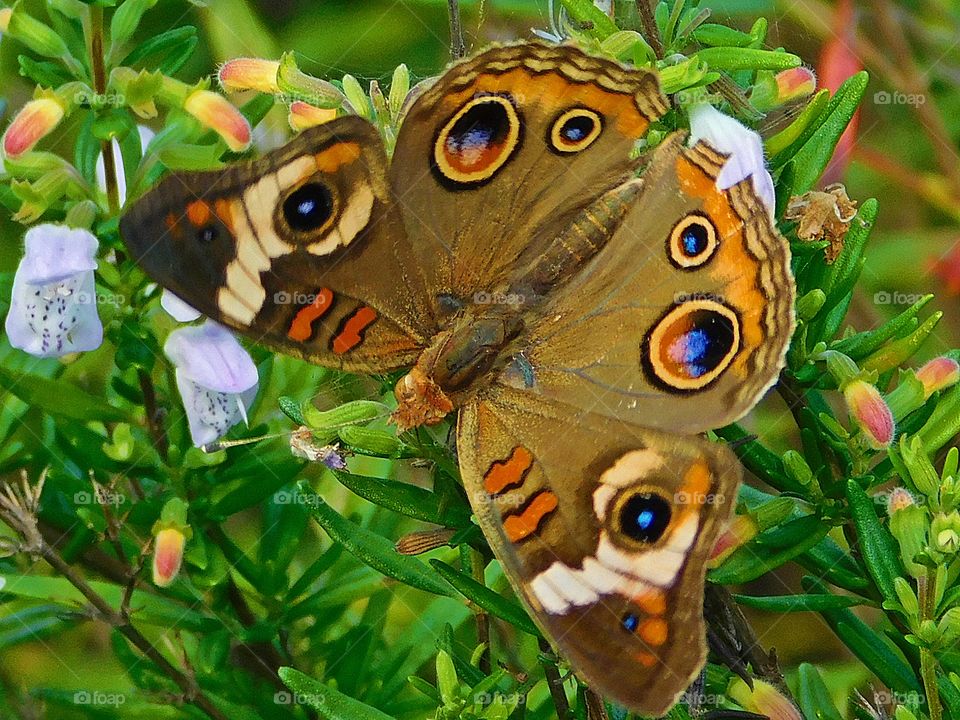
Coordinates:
(53, 309)
(146, 135)
(177, 308)
(216, 378)
(742, 144)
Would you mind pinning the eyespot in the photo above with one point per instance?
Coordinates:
(691, 345)
(692, 241)
(630, 622)
(643, 516)
(477, 141)
(575, 130)
(207, 235)
(309, 208)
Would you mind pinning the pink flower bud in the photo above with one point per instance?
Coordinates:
(304, 115)
(741, 530)
(764, 699)
(939, 373)
(870, 412)
(167, 556)
(215, 112)
(795, 83)
(898, 499)
(37, 119)
(250, 74)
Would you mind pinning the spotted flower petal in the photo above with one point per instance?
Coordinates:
(53, 307)
(743, 145)
(216, 378)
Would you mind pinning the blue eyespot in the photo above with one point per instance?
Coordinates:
(630, 622)
(644, 517)
(694, 240)
(308, 207)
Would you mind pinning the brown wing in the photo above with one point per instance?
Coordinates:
(604, 528)
(506, 145)
(681, 321)
(302, 250)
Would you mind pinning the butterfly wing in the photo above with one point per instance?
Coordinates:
(503, 144)
(604, 528)
(302, 249)
(682, 320)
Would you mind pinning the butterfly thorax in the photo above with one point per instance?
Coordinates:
(459, 361)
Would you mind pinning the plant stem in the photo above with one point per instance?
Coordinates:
(927, 591)
(100, 87)
(457, 47)
(483, 619)
(650, 30)
(154, 413)
(555, 683)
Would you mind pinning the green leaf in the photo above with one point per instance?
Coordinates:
(330, 703)
(813, 695)
(811, 159)
(795, 131)
(60, 398)
(877, 547)
(372, 549)
(755, 558)
(732, 59)
(798, 603)
(291, 408)
(163, 48)
(484, 597)
(876, 651)
(407, 499)
(594, 21)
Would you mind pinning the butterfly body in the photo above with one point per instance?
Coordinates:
(584, 323)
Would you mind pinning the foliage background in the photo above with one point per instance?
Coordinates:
(354, 627)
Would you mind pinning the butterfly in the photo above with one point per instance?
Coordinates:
(584, 320)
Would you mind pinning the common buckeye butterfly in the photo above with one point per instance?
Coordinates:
(638, 312)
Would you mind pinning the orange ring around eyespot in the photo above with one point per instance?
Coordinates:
(678, 256)
(561, 144)
(673, 336)
(468, 165)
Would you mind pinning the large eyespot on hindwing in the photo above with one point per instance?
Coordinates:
(477, 141)
(691, 345)
(574, 130)
(692, 242)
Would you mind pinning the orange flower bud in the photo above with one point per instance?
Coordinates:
(5, 14)
(939, 373)
(870, 412)
(37, 119)
(167, 556)
(215, 112)
(898, 499)
(250, 74)
(795, 83)
(304, 115)
(741, 530)
(764, 699)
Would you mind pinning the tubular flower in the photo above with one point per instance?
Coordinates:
(216, 378)
(37, 119)
(304, 115)
(741, 530)
(743, 145)
(53, 308)
(167, 555)
(250, 74)
(214, 111)
(795, 83)
(939, 373)
(763, 699)
(870, 412)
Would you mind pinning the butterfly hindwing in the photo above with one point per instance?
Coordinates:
(604, 528)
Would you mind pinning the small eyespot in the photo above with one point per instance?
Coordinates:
(207, 234)
(692, 241)
(575, 130)
(309, 207)
(477, 141)
(644, 516)
(630, 622)
(691, 345)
